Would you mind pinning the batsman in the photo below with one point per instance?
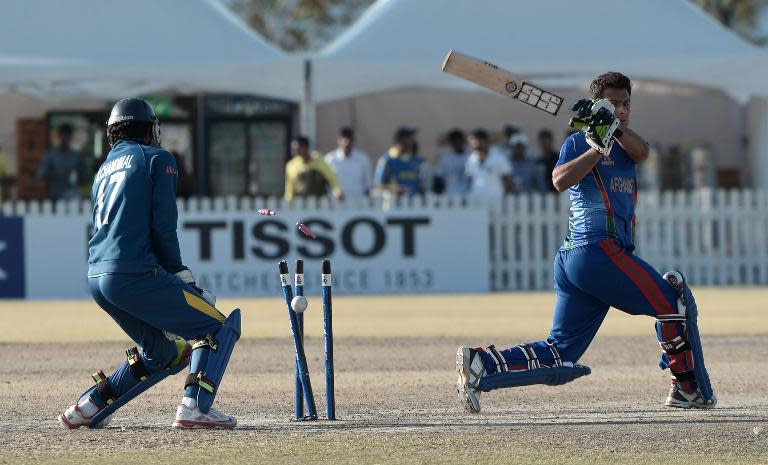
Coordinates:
(136, 275)
(595, 268)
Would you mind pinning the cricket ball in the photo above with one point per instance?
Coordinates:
(299, 304)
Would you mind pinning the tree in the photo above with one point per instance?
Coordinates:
(301, 25)
(739, 15)
(298, 25)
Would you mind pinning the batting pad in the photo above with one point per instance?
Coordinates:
(550, 376)
(687, 305)
(694, 340)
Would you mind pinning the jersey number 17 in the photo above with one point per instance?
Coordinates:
(107, 188)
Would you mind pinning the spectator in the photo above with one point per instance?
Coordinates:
(400, 170)
(526, 175)
(6, 172)
(351, 166)
(307, 174)
(509, 129)
(187, 185)
(451, 174)
(488, 168)
(548, 156)
(63, 169)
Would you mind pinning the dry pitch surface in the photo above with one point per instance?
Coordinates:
(395, 394)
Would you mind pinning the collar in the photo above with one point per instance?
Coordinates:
(395, 152)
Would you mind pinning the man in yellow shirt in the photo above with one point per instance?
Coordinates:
(6, 172)
(307, 174)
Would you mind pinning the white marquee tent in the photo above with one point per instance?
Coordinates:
(401, 43)
(106, 49)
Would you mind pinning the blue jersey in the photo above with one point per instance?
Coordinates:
(134, 212)
(402, 170)
(603, 202)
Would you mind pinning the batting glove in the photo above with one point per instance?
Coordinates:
(578, 124)
(600, 130)
(583, 109)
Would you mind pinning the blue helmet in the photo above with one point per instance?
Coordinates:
(130, 113)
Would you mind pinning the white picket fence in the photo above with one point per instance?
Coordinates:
(715, 237)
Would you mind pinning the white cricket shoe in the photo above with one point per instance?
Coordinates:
(469, 365)
(73, 418)
(680, 399)
(188, 415)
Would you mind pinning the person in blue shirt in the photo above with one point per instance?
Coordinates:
(595, 268)
(399, 171)
(62, 168)
(136, 275)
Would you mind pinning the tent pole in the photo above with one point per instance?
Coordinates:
(757, 132)
(307, 110)
(203, 165)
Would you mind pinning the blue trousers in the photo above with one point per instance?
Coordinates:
(144, 306)
(588, 281)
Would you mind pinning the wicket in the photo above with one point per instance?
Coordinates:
(299, 283)
(303, 389)
(302, 370)
(330, 398)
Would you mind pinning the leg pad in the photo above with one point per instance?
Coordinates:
(134, 392)
(135, 362)
(687, 302)
(210, 359)
(550, 376)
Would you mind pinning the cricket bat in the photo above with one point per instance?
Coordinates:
(501, 81)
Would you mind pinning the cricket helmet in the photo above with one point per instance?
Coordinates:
(132, 116)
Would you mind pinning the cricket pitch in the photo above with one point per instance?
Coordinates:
(395, 392)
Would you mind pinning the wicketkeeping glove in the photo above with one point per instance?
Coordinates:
(188, 278)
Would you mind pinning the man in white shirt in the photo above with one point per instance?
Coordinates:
(488, 168)
(451, 171)
(352, 167)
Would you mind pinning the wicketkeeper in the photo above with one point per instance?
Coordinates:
(136, 275)
(595, 268)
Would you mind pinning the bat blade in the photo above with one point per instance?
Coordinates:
(501, 81)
